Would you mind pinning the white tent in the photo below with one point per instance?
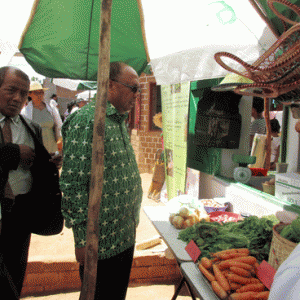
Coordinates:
(86, 94)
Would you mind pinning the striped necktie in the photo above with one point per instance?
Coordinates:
(7, 135)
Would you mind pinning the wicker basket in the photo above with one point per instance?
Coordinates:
(277, 71)
(281, 248)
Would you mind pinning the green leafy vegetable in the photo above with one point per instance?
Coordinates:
(253, 233)
(291, 232)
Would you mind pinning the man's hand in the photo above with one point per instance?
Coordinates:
(56, 159)
(80, 255)
(27, 156)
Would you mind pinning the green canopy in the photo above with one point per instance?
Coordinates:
(61, 39)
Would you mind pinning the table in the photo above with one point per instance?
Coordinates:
(159, 216)
(197, 285)
(196, 280)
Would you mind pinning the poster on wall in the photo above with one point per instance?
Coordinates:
(175, 106)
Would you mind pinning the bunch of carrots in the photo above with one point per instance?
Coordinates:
(232, 274)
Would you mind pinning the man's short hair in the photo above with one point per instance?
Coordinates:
(53, 95)
(18, 72)
(258, 104)
(116, 69)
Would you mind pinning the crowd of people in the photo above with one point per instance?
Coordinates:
(29, 126)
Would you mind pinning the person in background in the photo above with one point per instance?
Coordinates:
(53, 101)
(258, 125)
(72, 107)
(46, 116)
(28, 100)
(275, 143)
(122, 190)
(81, 102)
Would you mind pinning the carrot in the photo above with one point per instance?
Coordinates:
(221, 279)
(232, 263)
(240, 271)
(206, 263)
(251, 260)
(230, 251)
(225, 256)
(206, 273)
(225, 272)
(262, 295)
(243, 250)
(254, 287)
(234, 285)
(215, 260)
(252, 271)
(256, 265)
(243, 296)
(255, 280)
(218, 290)
(223, 252)
(238, 279)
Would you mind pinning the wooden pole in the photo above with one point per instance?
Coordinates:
(91, 255)
(268, 128)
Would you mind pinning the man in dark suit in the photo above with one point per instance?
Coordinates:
(20, 152)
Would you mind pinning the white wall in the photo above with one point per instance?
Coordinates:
(292, 157)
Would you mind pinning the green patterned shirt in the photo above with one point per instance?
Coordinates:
(122, 189)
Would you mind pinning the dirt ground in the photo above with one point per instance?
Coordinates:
(61, 248)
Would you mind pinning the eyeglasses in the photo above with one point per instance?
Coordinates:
(134, 89)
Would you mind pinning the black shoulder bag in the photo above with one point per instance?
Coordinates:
(45, 205)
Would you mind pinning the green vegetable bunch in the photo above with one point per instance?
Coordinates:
(291, 232)
(253, 233)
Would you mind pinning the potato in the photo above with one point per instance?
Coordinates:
(188, 223)
(194, 218)
(171, 217)
(178, 222)
(184, 212)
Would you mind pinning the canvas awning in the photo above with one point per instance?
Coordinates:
(61, 39)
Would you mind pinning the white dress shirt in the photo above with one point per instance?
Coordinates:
(20, 180)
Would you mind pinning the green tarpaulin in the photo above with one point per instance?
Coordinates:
(61, 39)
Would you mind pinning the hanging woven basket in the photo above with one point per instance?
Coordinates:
(277, 71)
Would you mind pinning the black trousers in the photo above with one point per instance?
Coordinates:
(14, 246)
(112, 276)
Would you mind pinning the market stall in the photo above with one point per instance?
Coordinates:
(261, 244)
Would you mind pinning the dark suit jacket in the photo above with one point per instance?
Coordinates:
(45, 185)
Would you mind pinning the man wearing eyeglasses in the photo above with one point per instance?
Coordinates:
(122, 190)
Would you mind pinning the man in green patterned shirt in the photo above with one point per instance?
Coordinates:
(122, 190)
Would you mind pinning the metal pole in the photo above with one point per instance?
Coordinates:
(268, 129)
(91, 256)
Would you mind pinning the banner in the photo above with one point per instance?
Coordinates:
(175, 106)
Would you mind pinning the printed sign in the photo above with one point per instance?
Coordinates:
(193, 250)
(266, 273)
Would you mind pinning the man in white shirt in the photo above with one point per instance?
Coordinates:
(53, 101)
